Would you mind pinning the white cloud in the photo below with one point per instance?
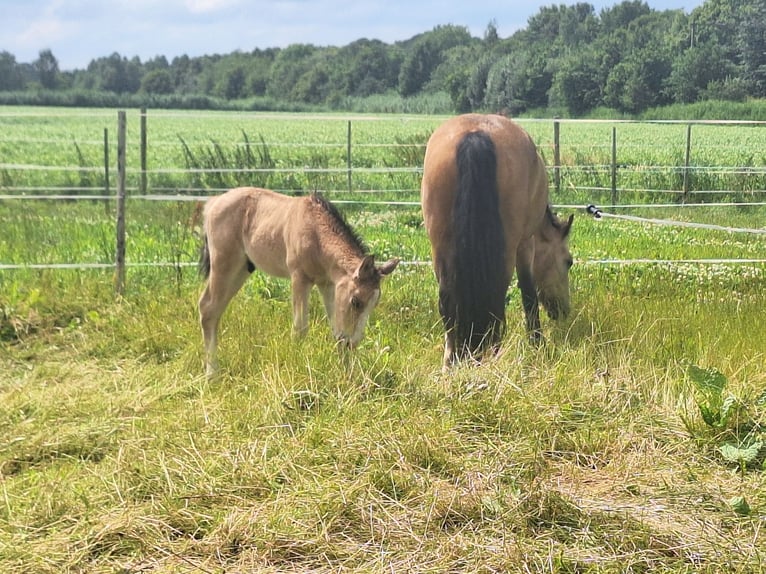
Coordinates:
(208, 6)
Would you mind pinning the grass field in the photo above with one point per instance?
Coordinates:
(632, 441)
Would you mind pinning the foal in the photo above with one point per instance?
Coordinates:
(304, 239)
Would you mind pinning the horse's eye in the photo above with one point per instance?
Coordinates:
(356, 303)
(570, 262)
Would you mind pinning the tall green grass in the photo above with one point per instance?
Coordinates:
(302, 151)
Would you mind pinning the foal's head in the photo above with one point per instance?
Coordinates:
(355, 297)
(552, 264)
(356, 293)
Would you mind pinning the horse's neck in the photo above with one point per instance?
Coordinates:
(337, 255)
(338, 259)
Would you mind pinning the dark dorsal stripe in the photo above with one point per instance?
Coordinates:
(338, 223)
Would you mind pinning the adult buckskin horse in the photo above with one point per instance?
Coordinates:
(485, 204)
(303, 238)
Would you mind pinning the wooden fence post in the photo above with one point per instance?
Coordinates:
(348, 155)
(556, 155)
(106, 171)
(119, 279)
(687, 159)
(143, 151)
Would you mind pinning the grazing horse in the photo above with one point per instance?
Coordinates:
(304, 239)
(485, 204)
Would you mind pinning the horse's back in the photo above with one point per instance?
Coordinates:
(254, 222)
(521, 178)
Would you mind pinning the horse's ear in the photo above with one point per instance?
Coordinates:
(366, 269)
(388, 267)
(567, 226)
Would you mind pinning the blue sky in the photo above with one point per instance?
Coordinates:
(77, 31)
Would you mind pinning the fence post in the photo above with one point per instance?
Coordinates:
(106, 170)
(119, 282)
(143, 151)
(614, 166)
(687, 159)
(556, 155)
(348, 155)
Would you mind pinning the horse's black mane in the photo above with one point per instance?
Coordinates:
(339, 223)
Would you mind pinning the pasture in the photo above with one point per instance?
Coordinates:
(632, 441)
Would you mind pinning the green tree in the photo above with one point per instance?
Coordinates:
(157, 82)
(476, 89)
(695, 69)
(234, 83)
(636, 83)
(11, 78)
(577, 85)
(751, 46)
(116, 74)
(453, 74)
(47, 68)
(619, 16)
(367, 67)
(289, 65)
(425, 55)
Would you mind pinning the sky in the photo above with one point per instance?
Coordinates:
(78, 31)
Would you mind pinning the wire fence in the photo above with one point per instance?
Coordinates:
(608, 165)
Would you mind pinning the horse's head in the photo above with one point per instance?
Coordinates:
(356, 295)
(552, 264)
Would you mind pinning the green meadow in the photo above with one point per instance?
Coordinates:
(631, 441)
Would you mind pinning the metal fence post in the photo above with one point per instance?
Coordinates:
(119, 278)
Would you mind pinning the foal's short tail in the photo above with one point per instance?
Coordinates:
(203, 267)
(481, 280)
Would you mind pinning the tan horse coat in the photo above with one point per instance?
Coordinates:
(301, 238)
(501, 168)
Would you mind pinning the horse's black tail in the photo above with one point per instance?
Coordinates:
(203, 267)
(481, 279)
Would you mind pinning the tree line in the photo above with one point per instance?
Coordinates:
(569, 59)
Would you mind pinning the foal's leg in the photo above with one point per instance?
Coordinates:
(301, 286)
(226, 278)
(525, 256)
(328, 297)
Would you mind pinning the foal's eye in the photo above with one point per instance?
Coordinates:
(356, 303)
(570, 262)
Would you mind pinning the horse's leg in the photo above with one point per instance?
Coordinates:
(224, 282)
(448, 319)
(450, 356)
(301, 287)
(328, 297)
(524, 259)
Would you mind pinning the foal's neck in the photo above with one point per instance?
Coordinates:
(340, 247)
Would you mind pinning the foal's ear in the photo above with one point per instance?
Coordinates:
(388, 266)
(366, 269)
